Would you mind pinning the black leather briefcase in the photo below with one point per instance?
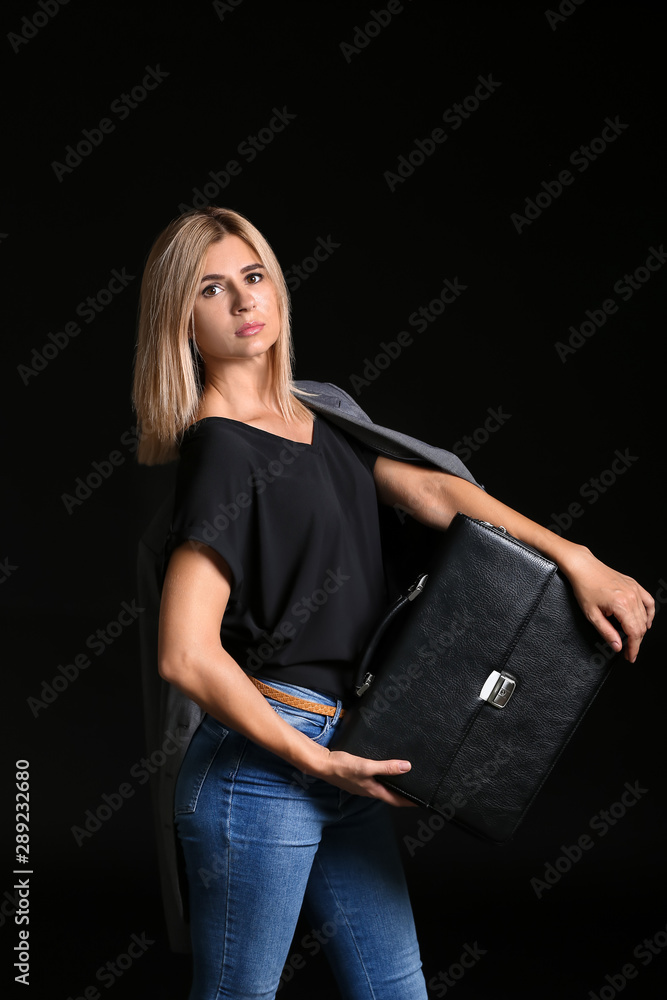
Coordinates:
(479, 675)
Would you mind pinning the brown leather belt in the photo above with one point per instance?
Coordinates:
(290, 699)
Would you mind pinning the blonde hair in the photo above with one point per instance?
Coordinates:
(168, 371)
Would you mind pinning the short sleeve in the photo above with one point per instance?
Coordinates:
(366, 454)
(212, 492)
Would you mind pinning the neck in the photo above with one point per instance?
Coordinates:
(240, 389)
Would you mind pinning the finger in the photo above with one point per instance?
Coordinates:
(634, 642)
(386, 769)
(393, 766)
(631, 649)
(370, 767)
(635, 605)
(379, 790)
(400, 802)
(635, 628)
(606, 629)
(649, 603)
(634, 619)
(393, 798)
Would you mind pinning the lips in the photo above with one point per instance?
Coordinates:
(248, 329)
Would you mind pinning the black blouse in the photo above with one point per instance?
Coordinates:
(298, 526)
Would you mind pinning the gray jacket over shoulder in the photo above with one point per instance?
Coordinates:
(171, 718)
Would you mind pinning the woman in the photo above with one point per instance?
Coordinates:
(274, 579)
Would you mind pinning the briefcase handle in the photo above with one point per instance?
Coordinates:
(364, 677)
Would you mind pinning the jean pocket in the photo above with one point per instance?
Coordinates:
(309, 723)
(197, 762)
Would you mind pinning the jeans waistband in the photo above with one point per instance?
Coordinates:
(310, 694)
(305, 699)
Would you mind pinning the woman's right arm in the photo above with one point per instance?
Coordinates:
(196, 590)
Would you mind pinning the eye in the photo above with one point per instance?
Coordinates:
(210, 290)
(255, 274)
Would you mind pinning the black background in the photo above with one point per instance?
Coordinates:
(69, 567)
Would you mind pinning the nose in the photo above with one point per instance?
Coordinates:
(244, 299)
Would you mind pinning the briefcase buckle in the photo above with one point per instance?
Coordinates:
(365, 684)
(498, 688)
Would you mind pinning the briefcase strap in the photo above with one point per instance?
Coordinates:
(363, 678)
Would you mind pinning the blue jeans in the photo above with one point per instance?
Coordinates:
(260, 839)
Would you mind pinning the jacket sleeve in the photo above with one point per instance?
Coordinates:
(336, 404)
(170, 720)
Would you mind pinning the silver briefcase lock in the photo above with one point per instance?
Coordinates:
(498, 689)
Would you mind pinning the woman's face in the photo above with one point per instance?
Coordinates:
(236, 313)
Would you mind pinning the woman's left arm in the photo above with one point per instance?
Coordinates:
(434, 497)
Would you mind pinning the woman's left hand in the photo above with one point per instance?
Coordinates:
(434, 497)
(602, 592)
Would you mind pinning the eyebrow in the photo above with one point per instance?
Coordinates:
(221, 277)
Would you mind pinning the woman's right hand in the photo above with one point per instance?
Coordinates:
(358, 775)
(196, 589)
